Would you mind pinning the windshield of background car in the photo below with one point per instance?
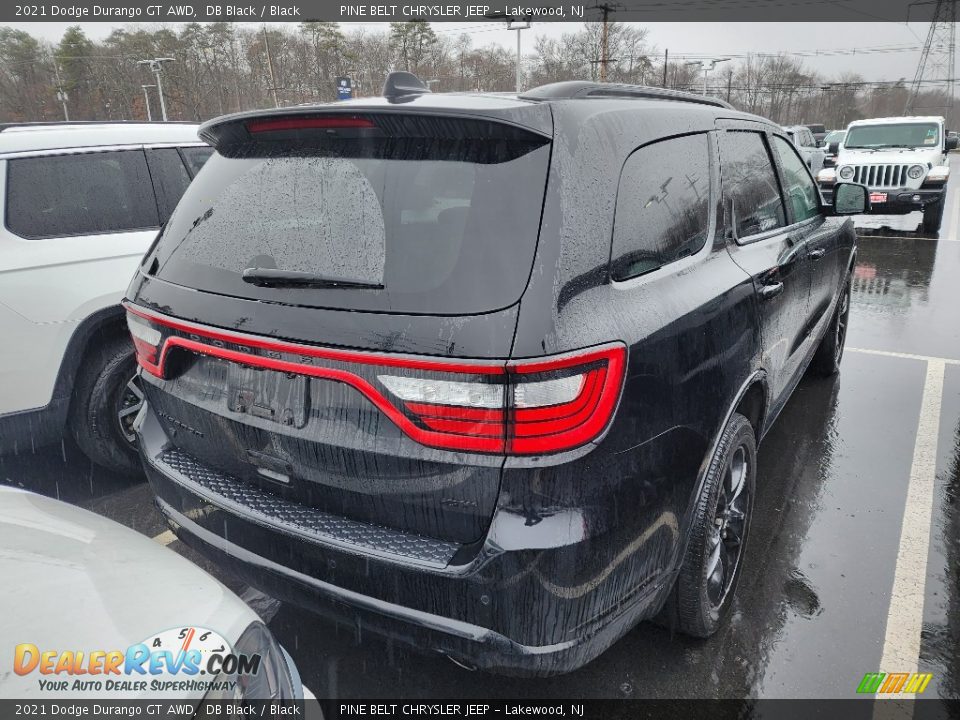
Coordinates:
(447, 228)
(835, 136)
(893, 135)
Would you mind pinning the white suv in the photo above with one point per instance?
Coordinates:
(902, 160)
(80, 203)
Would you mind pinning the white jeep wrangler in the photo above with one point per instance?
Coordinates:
(902, 160)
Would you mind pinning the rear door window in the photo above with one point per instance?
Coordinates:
(750, 185)
(80, 194)
(445, 228)
(663, 205)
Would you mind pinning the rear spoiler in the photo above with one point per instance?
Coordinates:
(322, 129)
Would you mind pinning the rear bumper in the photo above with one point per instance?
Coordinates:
(510, 611)
(900, 201)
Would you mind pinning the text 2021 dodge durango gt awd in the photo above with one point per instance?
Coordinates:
(486, 373)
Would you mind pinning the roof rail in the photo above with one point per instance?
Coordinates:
(64, 123)
(572, 89)
(401, 85)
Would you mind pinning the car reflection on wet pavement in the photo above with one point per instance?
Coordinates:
(813, 610)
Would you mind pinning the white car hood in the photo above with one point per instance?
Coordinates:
(73, 580)
(890, 156)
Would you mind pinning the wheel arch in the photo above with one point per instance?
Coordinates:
(45, 425)
(107, 322)
(751, 397)
(752, 404)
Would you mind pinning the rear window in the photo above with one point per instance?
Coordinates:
(81, 194)
(444, 228)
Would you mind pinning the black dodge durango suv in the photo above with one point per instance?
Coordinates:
(486, 373)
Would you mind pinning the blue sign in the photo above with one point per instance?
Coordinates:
(344, 88)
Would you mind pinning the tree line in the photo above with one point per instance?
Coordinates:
(220, 68)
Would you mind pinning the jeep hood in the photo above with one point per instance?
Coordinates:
(922, 156)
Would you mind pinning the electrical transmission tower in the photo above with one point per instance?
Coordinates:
(938, 60)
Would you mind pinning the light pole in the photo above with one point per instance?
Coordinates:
(707, 65)
(514, 22)
(146, 100)
(156, 65)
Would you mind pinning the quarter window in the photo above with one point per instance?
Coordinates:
(82, 194)
(750, 184)
(802, 195)
(170, 179)
(663, 205)
(195, 157)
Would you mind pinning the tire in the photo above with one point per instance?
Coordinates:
(826, 361)
(702, 598)
(104, 383)
(933, 217)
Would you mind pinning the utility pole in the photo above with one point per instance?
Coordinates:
(156, 65)
(146, 100)
(606, 8)
(273, 80)
(666, 61)
(61, 93)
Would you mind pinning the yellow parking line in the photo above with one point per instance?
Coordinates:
(164, 538)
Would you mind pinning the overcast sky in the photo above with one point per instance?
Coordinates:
(892, 49)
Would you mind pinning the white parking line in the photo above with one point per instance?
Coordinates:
(164, 538)
(954, 229)
(901, 644)
(905, 356)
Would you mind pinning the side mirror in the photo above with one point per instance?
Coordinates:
(850, 199)
(834, 148)
(953, 142)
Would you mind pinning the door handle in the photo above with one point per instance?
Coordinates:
(771, 291)
(817, 254)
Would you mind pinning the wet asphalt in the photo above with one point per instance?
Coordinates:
(814, 601)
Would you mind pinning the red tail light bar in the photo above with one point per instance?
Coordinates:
(330, 122)
(515, 407)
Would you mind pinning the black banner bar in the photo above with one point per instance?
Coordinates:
(121, 11)
(865, 708)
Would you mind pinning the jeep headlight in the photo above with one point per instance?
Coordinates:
(270, 680)
(916, 171)
(846, 173)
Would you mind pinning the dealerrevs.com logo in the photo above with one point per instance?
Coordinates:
(187, 659)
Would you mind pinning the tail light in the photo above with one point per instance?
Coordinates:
(516, 407)
(330, 122)
(146, 339)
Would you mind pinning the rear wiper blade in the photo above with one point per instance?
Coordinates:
(271, 277)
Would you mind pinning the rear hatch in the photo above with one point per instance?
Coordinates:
(330, 279)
